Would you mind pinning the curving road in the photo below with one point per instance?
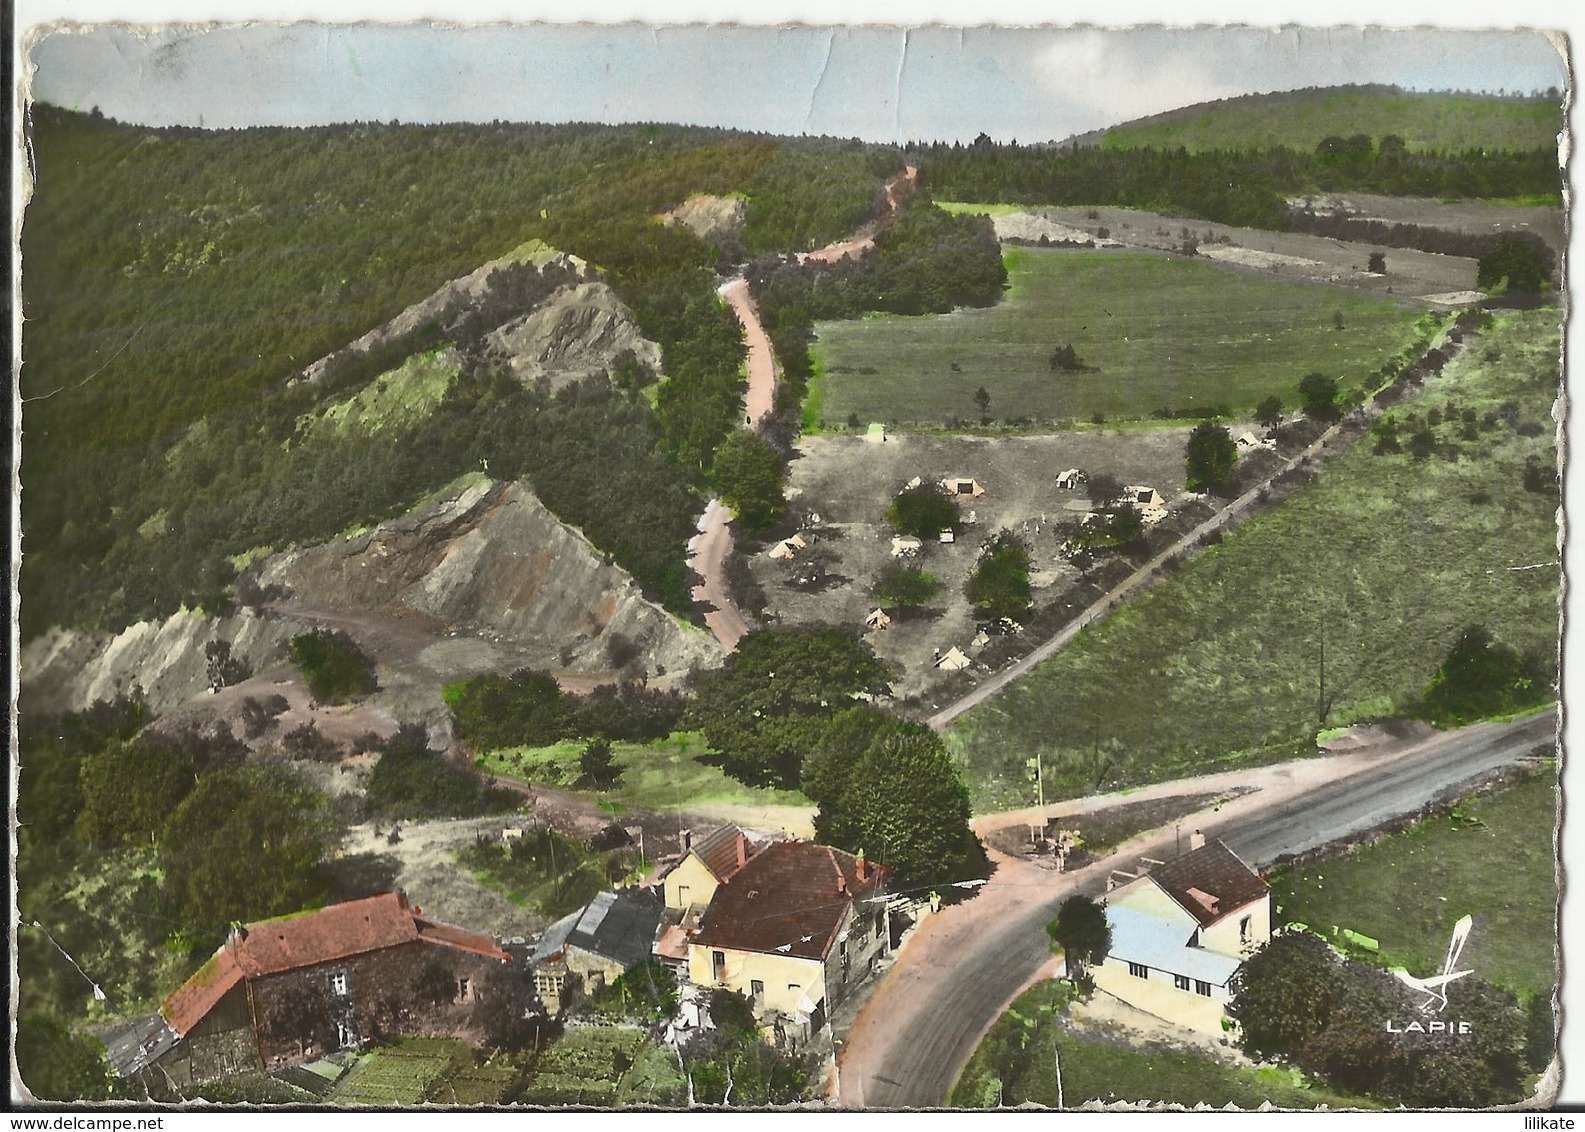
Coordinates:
(963, 966)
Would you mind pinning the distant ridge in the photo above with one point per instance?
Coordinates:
(1301, 118)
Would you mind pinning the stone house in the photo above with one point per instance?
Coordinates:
(300, 986)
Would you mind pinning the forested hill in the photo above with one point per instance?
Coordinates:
(1302, 118)
(178, 276)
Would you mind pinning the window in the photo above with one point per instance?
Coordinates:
(338, 984)
(757, 989)
(718, 961)
(463, 990)
(682, 896)
(344, 1036)
(1139, 970)
(1202, 987)
(1243, 930)
(1181, 982)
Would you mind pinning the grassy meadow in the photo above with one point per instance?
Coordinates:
(1492, 858)
(1300, 119)
(1167, 334)
(669, 774)
(1387, 557)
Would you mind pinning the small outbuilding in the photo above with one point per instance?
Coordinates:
(1072, 478)
(958, 486)
(952, 660)
(787, 548)
(876, 434)
(905, 546)
(946, 536)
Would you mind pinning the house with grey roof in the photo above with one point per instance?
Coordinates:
(591, 948)
(1180, 931)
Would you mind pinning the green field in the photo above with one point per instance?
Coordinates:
(399, 1074)
(1016, 1064)
(1300, 119)
(669, 774)
(1167, 333)
(1492, 859)
(1219, 666)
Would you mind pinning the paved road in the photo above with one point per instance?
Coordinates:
(923, 1022)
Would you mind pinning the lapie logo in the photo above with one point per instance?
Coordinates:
(1435, 987)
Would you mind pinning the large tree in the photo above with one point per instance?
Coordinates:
(905, 586)
(245, 845)
(924, 511)
(1209, 458)
(129, 790)
(999, 584)
(1525, 263)
(1269, 411)
(749, 473)
(1481, 677)
(1284, 994)
(58, 1065)
(1319, 395)
(905, 805)
(1082, 932)
(767, 705)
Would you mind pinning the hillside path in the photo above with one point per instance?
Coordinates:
(709, 550)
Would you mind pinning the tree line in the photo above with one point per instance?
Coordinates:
(169, 323)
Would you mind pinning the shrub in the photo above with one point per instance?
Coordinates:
(333, 666)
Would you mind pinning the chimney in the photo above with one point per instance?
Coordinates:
(742, 850)
(863, 870)
(685, 836)
(239, 932)
(1196, 841)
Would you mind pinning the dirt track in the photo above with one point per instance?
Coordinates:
(709, 549)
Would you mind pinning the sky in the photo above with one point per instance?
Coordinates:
(888, 84)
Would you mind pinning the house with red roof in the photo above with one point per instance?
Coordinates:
(795, 928)
(1181, 930)
(300, 986)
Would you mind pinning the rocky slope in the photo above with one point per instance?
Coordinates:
(582, 330)
(481, 578)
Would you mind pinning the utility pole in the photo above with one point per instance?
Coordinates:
(1040, 782)
(1056, 1058)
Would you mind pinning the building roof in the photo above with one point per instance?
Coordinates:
(792, 899)
(1139, 937)
(1209, 882)
(619, 926)
(307, 939)
(133, 1046)
(724, 851)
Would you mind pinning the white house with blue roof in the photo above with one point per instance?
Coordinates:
(1181, 930)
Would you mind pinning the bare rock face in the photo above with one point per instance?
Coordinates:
(71, 669)
(582, 330)
(714, 220)
(456, 297)
(484, 579)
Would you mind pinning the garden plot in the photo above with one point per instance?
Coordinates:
(849, 484)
